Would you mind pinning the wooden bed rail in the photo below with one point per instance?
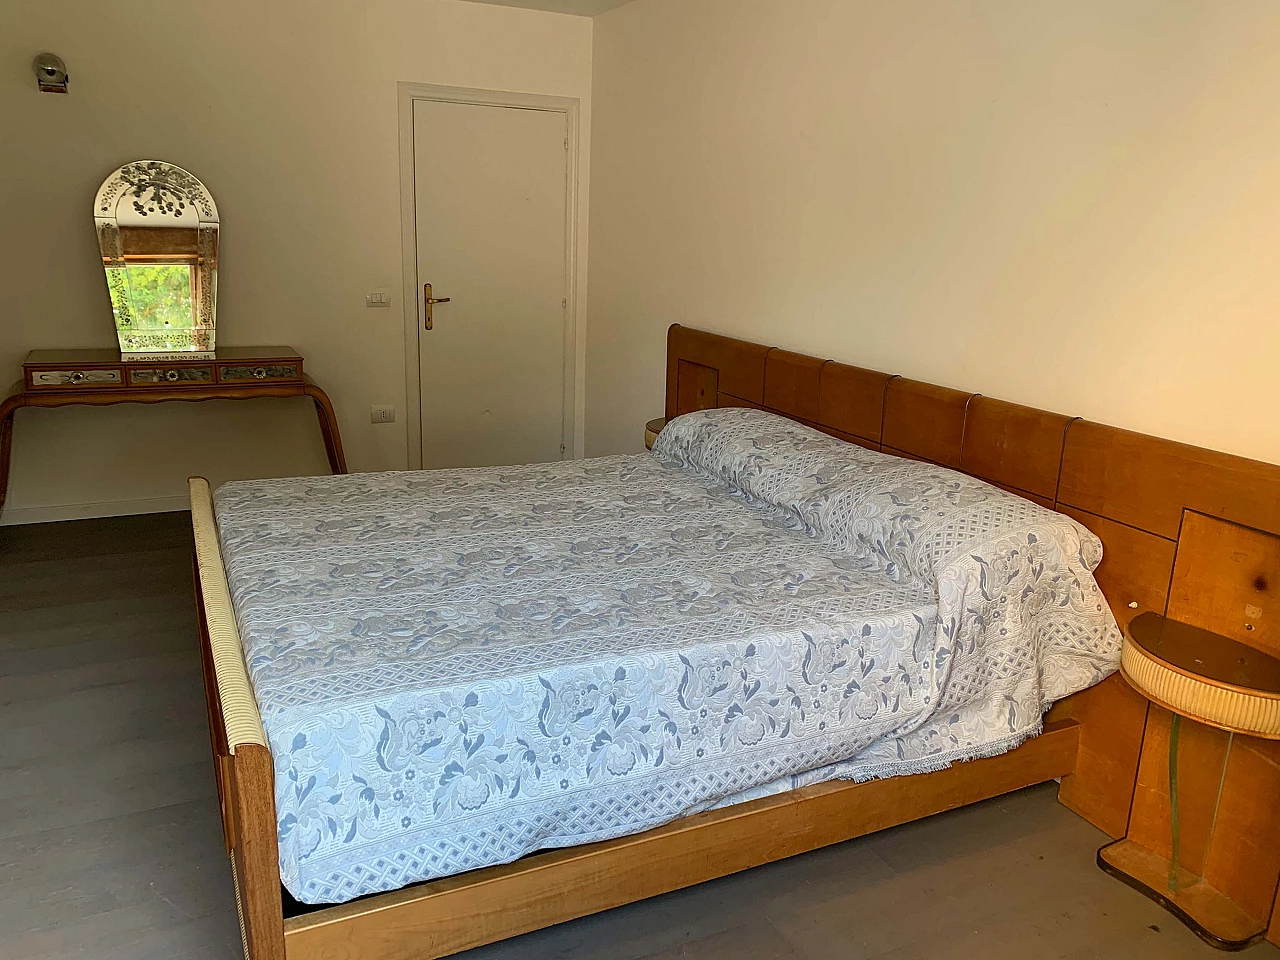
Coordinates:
(243, 766)
(446, 916)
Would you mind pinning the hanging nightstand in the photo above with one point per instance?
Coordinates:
(651, 431)
(1200, 839)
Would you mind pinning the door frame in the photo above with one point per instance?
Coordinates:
(573, 333)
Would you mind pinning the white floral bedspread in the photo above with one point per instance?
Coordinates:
(456, 668)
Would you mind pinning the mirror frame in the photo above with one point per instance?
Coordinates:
(146, 195)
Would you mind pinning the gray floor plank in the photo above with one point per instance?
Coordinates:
(110, 536)
(96, 575)
(165, 608)
(111, 848)
(759, 939)
(91, 667)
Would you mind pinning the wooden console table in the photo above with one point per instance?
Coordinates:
(58, 378)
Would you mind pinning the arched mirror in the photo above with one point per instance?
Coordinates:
(158, 233)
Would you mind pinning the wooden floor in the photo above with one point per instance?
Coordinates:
(110, 845)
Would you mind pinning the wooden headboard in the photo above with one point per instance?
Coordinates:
(1189, 533)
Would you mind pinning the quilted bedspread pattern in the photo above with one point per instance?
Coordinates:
(456, 668)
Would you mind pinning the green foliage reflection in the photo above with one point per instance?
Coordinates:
(160, 296)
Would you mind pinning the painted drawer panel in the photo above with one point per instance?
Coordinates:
(232, 372)
(170, 376)
(64, 379)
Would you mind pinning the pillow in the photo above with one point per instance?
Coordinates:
(905, 517)
(1012, 579)
(765, 458)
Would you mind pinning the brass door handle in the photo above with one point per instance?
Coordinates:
(429, 301)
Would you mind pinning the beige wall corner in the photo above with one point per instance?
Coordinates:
(1073, 206)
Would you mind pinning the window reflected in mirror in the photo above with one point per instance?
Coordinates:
(159, 295)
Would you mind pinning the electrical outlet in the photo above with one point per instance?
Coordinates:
(382, 414)
(377, 299)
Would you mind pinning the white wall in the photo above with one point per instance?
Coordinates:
(1071, 205)
(287, 110)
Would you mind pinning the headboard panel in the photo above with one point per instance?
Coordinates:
(1147, 482)
(1227, 579)
(1176, 501)
(851, 402)
(697, 386)
(791, 384)
(1015, 447)
(924, 420)
(727, 400)
(1136, 565)
(702, 366)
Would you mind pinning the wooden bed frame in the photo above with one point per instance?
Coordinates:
(1132, 490)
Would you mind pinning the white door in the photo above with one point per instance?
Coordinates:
(490, 188)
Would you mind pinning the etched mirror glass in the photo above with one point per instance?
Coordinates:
(158, 233)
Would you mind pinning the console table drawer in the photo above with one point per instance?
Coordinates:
(239, 372)
(75, 379)
(169, 376)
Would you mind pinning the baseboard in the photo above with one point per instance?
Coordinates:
(14, 516)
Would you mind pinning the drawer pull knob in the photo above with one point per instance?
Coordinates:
(77, 377)
(259, 373)
(171, 375)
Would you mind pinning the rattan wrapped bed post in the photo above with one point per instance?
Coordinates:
(245, 771)
(240, 716)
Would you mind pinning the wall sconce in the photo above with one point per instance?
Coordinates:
(51, 73)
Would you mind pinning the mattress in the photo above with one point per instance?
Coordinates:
(457, 668)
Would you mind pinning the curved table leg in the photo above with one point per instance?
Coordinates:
(7, 409)
(328, 428)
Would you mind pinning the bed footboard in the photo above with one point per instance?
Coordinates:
(242, 761)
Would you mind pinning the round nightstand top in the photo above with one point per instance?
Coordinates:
(651, 431)
(1203, 675)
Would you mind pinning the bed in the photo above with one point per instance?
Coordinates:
(459, 668)
(465, 704)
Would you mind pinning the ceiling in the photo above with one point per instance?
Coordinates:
(585, 8)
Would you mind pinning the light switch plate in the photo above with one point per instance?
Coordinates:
(382, 414)
(378, 298)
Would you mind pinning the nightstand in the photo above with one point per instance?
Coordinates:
(1203, 839)
(651, 431)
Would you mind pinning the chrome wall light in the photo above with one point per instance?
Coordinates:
(51, 73)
